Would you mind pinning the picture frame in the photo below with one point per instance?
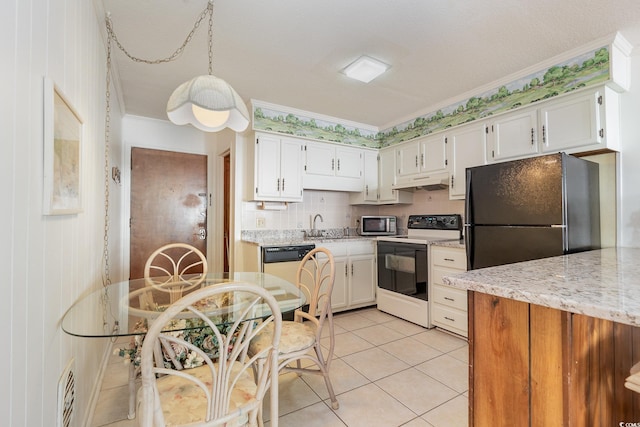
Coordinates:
(63, 139)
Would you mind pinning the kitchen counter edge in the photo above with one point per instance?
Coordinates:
(318, 241)
(602, 283)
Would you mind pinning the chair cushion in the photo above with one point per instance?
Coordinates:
(184, 402)
(295, 336)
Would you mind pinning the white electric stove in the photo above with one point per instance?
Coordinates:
(403, 265)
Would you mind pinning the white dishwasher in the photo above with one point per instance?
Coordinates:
(283, 260)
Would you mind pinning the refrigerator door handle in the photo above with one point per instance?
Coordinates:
(468, 244)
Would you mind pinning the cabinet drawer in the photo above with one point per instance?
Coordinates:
(447, 257)
(366, 247)
(450, 319)
(451, 297)
(337, 249)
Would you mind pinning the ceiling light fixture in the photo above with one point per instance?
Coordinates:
(208, 102)
(365, 69)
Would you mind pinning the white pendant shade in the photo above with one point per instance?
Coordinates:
(209, 104)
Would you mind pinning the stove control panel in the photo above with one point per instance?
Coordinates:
(435, 222)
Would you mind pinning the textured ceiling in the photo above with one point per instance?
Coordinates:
(291, 52)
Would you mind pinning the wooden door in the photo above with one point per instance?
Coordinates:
(168, 203)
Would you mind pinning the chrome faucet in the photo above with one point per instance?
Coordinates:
(314, 220)
(314, 232)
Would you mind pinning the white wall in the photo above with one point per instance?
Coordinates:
(629, 201)
(49, 261)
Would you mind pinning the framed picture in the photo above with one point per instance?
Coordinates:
(62, 153)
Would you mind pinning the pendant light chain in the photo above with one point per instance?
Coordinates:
(106, 278)
(207, 11)
(111, 37)
(210, 9)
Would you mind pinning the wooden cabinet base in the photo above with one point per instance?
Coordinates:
(536, 366)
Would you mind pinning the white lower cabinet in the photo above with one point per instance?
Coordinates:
(355, 281)
(448, 304)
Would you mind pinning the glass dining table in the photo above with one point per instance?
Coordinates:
(126, 308)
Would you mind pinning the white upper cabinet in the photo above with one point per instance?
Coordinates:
(369, 193)
(581, 122)
(277, 168)
(422, 156)
(467, 145)
(576, 122)
(385, 168)
(433, 157)
(513, 135)
(408, 159)
(349, 162)
(320, 159)
(333, 167)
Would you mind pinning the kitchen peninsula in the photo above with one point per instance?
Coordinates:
(551, 341)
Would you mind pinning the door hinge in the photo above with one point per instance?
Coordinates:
(446, 140)
(600, 100)
(601, 133)
(446, 162)
(130, 222)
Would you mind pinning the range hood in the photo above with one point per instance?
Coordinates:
(427, 182)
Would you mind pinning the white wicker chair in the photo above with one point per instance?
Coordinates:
(175, 268)
(301, 337)
(221, 392)
(172, 269)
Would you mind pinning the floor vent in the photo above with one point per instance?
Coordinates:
(66, 395)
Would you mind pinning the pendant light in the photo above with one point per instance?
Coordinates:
(208, 102)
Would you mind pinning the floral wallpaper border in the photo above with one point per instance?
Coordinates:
(287, 123)
(588, 69)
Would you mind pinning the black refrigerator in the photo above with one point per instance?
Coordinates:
(531, 208)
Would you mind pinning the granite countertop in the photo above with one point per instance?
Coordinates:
(296, 237)
(603, 283)
(457, 244)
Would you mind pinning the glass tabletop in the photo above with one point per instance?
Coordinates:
(125, 308)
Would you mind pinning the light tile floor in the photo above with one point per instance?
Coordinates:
(386, 372)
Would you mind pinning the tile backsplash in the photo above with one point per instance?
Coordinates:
(336, 211)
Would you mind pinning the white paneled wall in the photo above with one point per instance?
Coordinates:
(50, 261)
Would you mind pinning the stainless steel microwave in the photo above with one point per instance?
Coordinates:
(378, 225)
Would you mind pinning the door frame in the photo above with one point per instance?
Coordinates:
(141, 132)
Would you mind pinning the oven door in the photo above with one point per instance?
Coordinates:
(402, 268)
